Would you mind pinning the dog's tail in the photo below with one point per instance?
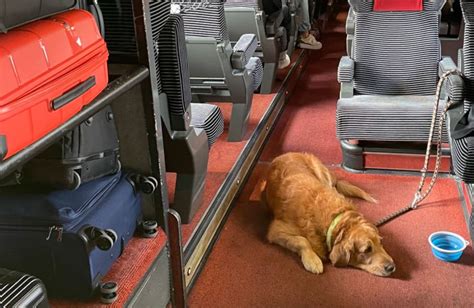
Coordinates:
(349, 190)
(263, 187)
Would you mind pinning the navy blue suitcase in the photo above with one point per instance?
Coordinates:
(68, 239)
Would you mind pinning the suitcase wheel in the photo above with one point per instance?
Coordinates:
(119, 166)
(147, 186)
(112, 234)
(150, 233)
(155, 181)
(149, 225)
(76, 180)
(132, 180)
(109, 287)
(108, 292)
(104, 241)
(108, 298)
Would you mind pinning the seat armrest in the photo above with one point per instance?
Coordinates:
(350, 23)
(273, 22)
(461, 60)
(345, 71)
(446, 64)
(345, 76)
(454, 85)
(243, 50)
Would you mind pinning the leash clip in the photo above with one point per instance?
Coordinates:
(414, 203)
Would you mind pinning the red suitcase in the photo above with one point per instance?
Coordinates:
(49, 69)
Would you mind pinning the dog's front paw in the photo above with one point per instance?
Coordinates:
(312, 263)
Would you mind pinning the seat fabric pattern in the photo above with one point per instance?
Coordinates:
(209, 118)
(395, 68)
(387, 118)
(242, 3)
(255, 67)
(462, 150)
(205, 21)
(396, 53)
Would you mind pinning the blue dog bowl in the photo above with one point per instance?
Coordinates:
(447, 246)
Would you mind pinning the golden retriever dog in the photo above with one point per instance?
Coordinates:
(313, 217)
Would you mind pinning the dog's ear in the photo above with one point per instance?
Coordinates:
(340, 254)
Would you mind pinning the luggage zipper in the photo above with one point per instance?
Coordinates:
(51, 230)
(58, 229)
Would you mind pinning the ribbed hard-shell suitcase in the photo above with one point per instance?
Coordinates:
(21, 290)
(51, 69)
(69, 239)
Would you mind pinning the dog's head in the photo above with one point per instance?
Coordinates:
(358, 244)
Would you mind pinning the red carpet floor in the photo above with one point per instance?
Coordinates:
(223, 154)
(243, 270)
(127, 272)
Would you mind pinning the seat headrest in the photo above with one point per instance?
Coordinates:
(396, 5)
(467, 7)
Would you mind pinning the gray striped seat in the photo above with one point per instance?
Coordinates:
(242, 3)
(215, 26)
(218, 72)
(247, 16)
(463, 148)
(205, 21)
(188, 129)
(389, 83)
(175, 80)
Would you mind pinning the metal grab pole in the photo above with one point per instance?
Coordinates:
(178, 295)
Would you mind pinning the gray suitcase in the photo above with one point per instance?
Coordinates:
(14, 13)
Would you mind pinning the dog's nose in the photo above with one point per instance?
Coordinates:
(389, 268)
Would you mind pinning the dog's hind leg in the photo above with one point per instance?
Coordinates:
(287, 236)
(350, 190)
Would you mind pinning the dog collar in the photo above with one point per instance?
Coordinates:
(333, 224)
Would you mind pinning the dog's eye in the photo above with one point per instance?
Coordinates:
(368, 249)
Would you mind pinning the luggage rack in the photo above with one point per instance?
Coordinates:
(114, 89)
(131, 86)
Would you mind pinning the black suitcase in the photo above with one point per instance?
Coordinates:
(21, 290)
(14, 13)
(86, 153)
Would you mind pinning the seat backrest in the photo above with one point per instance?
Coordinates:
(240, 17)
(174, 72)
(204, 26)
(243, 3)
(467, 8)
(202, 19)
(396, 51)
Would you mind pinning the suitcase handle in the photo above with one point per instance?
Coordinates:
(74, 93)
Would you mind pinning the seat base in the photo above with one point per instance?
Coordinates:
(354, 155)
